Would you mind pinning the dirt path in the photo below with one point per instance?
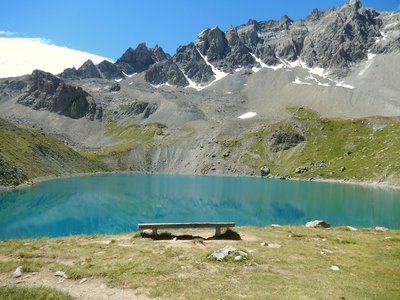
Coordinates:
(91, 289)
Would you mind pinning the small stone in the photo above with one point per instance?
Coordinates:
(61, 274)
(83, 280)
(238, 258)
(351, 228)
(147, 232)
(18, 272)
(342, 169)
(175, 239)
(379, 228)
(334, 268)
(270, 245)
(275, 225)
(301, 170)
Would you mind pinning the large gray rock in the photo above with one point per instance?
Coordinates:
(166, 72)
(140, 59)
(193, 65)
(87, 70)
(265, 171)
(110, 70)
(213, 44)
(286, 140)
(18, 272)
(341, 37)
(317, 224)
(46, 91)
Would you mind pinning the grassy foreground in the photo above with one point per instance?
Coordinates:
(369, 263)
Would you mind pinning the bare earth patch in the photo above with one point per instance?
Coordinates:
(91, 289)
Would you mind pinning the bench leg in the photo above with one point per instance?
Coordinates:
(217, 231)
(154, 231)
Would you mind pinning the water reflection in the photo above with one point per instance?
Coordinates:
(118, 202)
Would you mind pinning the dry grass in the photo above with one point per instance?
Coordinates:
(369, 263)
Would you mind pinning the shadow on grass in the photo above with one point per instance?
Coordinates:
(227, 235)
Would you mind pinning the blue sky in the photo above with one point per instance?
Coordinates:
(108, 28)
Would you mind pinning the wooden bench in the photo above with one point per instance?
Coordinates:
(217, 225)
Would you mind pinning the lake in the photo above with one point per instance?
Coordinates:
(115, 203)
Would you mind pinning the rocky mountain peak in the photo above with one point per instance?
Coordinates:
(314, 16)
(213, 44)
(285, 22)
(355, 3)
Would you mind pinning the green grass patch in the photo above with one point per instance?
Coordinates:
(364, 149)
(27, 153)
(37, 293)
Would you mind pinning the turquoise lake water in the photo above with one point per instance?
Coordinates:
(116, 203)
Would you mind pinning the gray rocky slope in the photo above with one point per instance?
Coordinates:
(341, 62)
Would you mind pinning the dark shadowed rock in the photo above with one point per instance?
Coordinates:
(192, 64)
(317, 224)
(264, 171)
(286, 140)
(46, 91)
(88, 70)
(110, 70)
(140, 59)
(166, 72)
(213, 44)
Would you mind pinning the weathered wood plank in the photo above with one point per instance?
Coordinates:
(185, 225)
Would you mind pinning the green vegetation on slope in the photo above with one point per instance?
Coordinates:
(368, 262)
(364, 149)
(37, 293)
(126, 137)
(27, 153)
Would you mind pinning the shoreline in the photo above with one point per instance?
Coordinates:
(32, 182)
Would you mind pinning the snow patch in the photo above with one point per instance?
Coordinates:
(160, 85)
(346, 86)
(119, 79)
(298, 81)
(20, 56)
(128, 75)
(264, 65)
(247, 115)
(229, 93)
(371, 56)
(218, 74)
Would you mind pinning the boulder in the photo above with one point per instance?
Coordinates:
(334, 268)
(301, 170)
(265, 171)
(61, 274)
(381, 229)
(18, 272)
(317, 224)
(228, 251)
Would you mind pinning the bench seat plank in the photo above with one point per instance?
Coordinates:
(185, 225)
